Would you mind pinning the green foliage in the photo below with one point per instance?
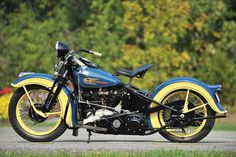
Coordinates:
(211, 36)
(180, 38)
(103, 31)
(152, 28)
(28, 42)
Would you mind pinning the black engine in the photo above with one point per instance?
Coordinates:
(126, 124)
(104, 96)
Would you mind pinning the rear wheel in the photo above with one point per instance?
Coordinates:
(27, 123)
(183, 128)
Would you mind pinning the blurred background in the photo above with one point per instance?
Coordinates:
(195, 38)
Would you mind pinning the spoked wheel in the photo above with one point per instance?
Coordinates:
(187, 127)
(30, 125)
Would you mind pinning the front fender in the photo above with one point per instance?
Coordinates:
(47, 81)
(207, 91)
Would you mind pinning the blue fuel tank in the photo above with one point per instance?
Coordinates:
(95, 78)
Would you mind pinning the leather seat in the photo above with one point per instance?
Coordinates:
(139, 73)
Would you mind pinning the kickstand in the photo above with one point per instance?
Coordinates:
(89, 134)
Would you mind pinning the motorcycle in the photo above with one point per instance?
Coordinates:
(81, 95)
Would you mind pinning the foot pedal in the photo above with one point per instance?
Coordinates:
(90, 134)
(75, 132)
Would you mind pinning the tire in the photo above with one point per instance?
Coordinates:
(58, 131)
(203, 132)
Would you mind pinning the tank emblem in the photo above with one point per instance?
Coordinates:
(93, 81)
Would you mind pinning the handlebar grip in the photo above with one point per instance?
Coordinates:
(97, 53)
(90, 52)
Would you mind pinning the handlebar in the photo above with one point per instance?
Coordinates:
(90, 52)
(97, 53)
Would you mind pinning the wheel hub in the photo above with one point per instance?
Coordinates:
(34, 116)
(180, 118)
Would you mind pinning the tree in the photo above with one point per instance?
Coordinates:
(29, 42)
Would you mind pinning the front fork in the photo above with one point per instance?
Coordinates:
(51, 99)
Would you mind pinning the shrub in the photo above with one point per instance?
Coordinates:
(4, 102)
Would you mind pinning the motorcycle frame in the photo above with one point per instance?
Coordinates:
(135, 92)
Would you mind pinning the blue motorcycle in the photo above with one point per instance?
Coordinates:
(81, 95)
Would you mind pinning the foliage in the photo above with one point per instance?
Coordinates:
(212, 40)
(152, 28)
(180, 38)
(4, 99)
(28, 41)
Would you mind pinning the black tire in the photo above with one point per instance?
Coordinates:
(197, 137)
(23, 133)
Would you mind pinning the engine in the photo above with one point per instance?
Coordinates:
(127, 124)
(116, 122)
(104, 96)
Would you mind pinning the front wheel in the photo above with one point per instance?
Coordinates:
(186, 129)
(29, 124)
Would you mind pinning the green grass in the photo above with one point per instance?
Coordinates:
(5, 124)
(161, 153)
(224, 127)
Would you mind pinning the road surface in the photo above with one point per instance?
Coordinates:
(215, 141)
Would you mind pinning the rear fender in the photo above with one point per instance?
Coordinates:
(207, 91)
(47, 81)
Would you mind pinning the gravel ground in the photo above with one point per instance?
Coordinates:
(215, 141)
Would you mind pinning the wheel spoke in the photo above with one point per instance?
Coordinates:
(185, 109)
(183, 130)
(198, 123)
(53, 113)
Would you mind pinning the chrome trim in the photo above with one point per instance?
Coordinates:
(25, 73)
(56, 46)
(217, 97)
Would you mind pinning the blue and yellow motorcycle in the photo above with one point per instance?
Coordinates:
(80, 95)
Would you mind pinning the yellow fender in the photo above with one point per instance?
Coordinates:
(163, 90)
(47, 81)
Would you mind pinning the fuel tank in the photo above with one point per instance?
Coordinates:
(95, 78)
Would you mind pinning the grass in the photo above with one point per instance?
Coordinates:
(4, 124)
(161, 153)
(228, 123)
(224, 127)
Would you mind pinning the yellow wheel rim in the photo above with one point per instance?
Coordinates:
(35, 128)
(187, 131)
